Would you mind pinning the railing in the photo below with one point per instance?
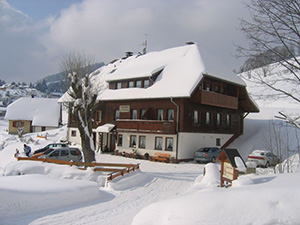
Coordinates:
(115, 169)
(220, 100)
(147, 126)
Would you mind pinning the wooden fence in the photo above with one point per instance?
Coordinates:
(114, 170)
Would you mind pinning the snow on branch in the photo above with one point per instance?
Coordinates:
(289, 119)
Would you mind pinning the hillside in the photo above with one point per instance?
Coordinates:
(58, 82)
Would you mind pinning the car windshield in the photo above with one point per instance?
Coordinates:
(48, 151)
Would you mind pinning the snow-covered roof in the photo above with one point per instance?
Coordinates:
(181, 70)
(41, 111)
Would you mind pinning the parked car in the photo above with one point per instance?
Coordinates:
(52, 145)
(63, 154)
(207, 154)
(263, 158)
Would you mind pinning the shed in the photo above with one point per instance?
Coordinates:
(34, 114)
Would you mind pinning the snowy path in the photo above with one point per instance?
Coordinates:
(126, 202)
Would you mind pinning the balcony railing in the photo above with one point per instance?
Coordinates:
(220, 100)
(147, 126)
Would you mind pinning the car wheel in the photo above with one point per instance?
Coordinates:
(213, 159)
(267, 165)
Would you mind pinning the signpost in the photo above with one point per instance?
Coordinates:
(231, 164)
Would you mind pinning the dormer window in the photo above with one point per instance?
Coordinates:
(139, 84)
(131, 84)
(119, 85)
(146, 83)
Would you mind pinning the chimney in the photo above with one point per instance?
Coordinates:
(190, 43)
(128, 54)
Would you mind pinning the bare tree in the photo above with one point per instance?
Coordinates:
(274, 28)
(78, 67)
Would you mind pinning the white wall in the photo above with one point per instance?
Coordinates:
(39, 129)
(150, 144)
(76, 139)
(188, 143)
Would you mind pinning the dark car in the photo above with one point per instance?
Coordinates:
(207, 154)
(63, 154)
(52, 145)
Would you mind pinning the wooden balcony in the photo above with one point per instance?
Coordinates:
(147, 126)
(219, 100)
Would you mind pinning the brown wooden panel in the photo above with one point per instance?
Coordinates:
(219, 100)
(146, 126)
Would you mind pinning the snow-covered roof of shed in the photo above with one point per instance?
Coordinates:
(41, 111)
(181, 70)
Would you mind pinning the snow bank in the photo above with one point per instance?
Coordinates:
(210, 177)
(271, 201)
(54, 171)
(34, 193)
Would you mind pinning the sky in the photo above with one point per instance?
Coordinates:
(36, 34)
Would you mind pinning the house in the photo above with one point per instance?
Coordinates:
(166, 102)
(34, 114)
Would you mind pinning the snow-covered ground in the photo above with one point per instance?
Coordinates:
(159, 193)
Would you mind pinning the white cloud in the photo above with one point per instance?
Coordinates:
(12, 20)
(109, 28)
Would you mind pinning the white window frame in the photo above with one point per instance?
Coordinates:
(160, 114)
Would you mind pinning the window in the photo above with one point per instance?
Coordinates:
(219, 119)
(120, 140)
(196, 116)
(217, 89)
(132, 141)
(119, 85)
(169, 144)
(218, 142)
(170, 114)
(117, 114)
(73, 133)
(74, 152)
(134, 114)
(143, 111)
(18, 124)
(208, 118)
(64, 153)
(146, 83)
(139, 84)
(207, 87)
(131, 84)
(99, 116)
(142, 142)
(158, 143)
(228, 120)
(160, 114)
(54, 154)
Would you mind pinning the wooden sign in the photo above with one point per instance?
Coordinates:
(229, 166)
(124, 108)
(228, 171)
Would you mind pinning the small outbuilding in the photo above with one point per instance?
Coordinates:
(33, 115)
(231, 165)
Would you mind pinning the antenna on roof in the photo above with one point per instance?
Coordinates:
(145, 45)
